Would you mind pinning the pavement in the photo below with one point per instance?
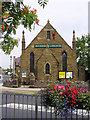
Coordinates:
(20, 88)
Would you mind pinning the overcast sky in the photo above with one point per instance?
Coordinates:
(64, 15)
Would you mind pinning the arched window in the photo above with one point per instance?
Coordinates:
(64, 61)
(32, 62)
(47, 69)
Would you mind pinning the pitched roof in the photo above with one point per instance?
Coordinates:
(48, 24)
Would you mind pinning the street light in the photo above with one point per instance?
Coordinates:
(10, 64)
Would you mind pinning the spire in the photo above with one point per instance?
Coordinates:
(73, 35)
(74, 42)
(23, 42)
(23, 38)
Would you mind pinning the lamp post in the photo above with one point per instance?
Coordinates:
(18, 78)
(10, 64)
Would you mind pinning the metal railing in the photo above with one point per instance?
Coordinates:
(26, 106)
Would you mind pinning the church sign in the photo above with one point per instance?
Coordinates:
(40, 46)
(55, 46)
(50, 46)
(23, 73)
(66, 75)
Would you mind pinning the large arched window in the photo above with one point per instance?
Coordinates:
(64, 61)
(32, 62)
(47, 69)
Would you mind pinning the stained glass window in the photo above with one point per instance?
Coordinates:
(64, 61)
(32, 62)
(47, 69)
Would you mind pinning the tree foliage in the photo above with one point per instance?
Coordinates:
(83, 50)
(14, 14)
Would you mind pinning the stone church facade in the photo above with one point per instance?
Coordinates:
(46, 55)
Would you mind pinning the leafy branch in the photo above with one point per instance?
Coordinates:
(14, 14)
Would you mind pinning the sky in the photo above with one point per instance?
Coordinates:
(64, 15)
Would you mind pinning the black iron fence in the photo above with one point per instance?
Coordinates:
(30, 107)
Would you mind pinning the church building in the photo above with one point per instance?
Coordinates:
(48, 57)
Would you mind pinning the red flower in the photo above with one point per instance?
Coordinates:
(6, 26)
(3, 27)
(67, 88)
(71, 89)
(25, 11)
(61, 95)
(35, 10)
(76, 92)
(86, 91)
(37, 21)
(72, 94)
(74, 87)
(55, 87)
(31, 11)
(72, 104)
(68, 84)
(74, 98)
(73, 101)
(68, 95)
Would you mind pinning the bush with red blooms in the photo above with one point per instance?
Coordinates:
(64, 98)
(14, 14)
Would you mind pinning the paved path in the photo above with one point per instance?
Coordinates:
(20, 88)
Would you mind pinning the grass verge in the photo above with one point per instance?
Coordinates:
(19, 91)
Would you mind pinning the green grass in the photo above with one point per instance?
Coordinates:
(20, 91)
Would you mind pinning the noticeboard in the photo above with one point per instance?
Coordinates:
(69, 75)
(23, 73)
(61, 75)
(65, 75)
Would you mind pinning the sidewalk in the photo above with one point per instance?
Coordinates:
(20, 88)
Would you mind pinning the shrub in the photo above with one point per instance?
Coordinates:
(65, 98)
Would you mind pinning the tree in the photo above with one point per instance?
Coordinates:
(83, 51)
(14, 14)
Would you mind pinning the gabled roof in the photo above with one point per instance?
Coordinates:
(48, 23)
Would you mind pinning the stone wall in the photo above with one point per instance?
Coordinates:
(53, 56)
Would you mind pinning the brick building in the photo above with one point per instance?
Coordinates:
(46, 55)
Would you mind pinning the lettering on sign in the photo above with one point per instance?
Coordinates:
(50, 46)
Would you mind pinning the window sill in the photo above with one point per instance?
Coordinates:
(47, 75)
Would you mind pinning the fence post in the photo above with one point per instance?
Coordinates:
(6, 107)
(41, 106)
(36, 107)
(1, 109)
(14, 107)
(27, 107)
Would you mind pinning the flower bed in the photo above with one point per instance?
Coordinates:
(65, 98)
